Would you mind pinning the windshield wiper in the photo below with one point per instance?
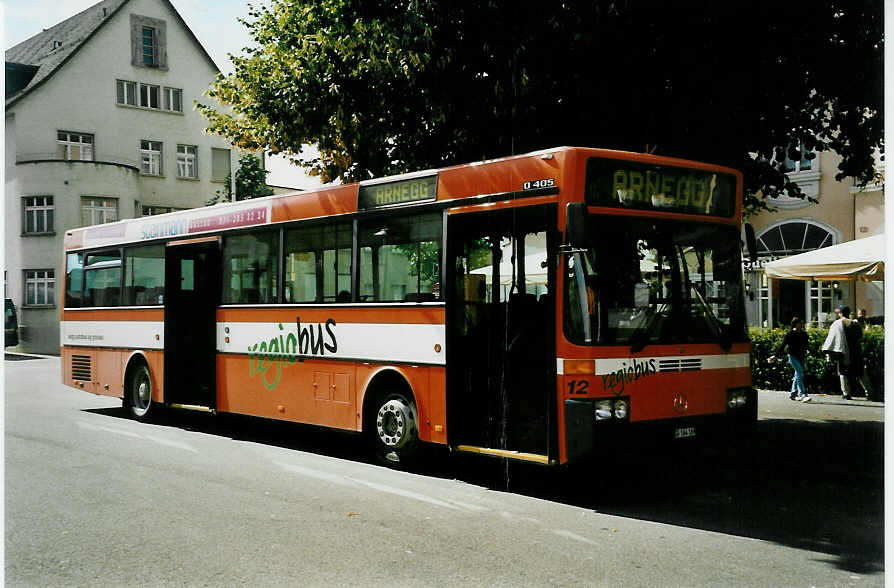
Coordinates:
(640, 337)
(713, 322)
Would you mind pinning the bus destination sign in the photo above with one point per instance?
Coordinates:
(626, 184)
(398, 192)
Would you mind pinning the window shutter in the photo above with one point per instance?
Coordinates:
(161, 45)
(136, 39)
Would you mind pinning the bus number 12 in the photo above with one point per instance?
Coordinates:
(578, 386)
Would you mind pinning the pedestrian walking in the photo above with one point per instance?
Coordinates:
(838, 349)
(796, 341)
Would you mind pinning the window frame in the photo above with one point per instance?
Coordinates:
(48, 210)
(103, 210)
(121, 89)
(68, 143)
(156, 156)
(47, 279)
(168, 94)
(194, 164)
(221, 179)
(143, 88)
(148, 50)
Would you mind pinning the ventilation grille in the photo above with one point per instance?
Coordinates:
(81, 368)
(687, 364)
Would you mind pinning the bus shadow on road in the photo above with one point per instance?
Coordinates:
(817, 486)
(810, 485)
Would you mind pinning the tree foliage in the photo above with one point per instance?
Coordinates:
(386, 86)
(250, 180)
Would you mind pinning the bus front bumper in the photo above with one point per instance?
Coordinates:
(585, 434)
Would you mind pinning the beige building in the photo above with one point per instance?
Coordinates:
(100, 126)
(842, 213)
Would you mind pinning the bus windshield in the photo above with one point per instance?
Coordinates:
(644, 282)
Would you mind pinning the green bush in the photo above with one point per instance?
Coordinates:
(820, 376)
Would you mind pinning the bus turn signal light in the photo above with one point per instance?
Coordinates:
(584, 367)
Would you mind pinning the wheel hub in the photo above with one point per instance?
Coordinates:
(395, 422)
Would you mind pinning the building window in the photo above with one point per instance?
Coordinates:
(173, 99)
(150, 158)
(187, 166)
(40, 286)
(793, 237)
(75, 146)
(220, 164)
(804, 163)
(98, 211)
(820, 303)
(148, 41)
(38, 215)
(149, 96)
(153, 210)
(127, 92)
(149, 46)
(766, 301)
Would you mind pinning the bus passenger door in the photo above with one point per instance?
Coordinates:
(501, 383)
(192, 293)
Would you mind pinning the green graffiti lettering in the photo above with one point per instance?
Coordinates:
(270, 355)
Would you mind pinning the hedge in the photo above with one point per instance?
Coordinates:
(821, 376)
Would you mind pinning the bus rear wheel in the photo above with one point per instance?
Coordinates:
(394, 430)
(138, 394)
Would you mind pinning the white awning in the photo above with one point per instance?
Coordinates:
(861, 259)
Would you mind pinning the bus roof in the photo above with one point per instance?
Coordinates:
(488, 177)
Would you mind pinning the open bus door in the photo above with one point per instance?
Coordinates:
(192, 293)
(501, 374)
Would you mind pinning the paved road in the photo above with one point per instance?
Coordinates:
(93, 498)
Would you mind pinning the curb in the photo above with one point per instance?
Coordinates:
(830, 399)
(30, 355)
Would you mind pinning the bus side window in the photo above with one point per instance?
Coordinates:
(400, 258)
(250, 262)
(102, 279)
(74, 280)
(302, 257)
(144, 275)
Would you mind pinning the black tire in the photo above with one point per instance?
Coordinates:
(393, 430)
(138, 394)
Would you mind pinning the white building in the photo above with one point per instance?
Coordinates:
(100, 126)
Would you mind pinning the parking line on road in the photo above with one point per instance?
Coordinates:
(311, 473)
(406, 494)
(159, 440)
(575, 536)
(175, 444)
(92, 427)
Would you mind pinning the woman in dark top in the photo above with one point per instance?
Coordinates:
(796, 341)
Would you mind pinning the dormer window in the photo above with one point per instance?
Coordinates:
(148, 42)
(57, 44)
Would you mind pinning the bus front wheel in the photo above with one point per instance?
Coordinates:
(138, 395)
(394, 430)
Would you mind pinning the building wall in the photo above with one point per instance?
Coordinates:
(842, 210)
(81, 97)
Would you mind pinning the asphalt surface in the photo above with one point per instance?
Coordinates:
(93, 498)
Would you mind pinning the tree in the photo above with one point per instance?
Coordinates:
(386, 86)
(251, 182)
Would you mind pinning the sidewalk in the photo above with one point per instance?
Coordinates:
(831, 399)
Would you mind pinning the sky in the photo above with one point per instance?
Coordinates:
(214, 22)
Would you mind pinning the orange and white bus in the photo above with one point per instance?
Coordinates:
(534, 307)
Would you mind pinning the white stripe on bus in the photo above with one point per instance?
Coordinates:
(402, 343)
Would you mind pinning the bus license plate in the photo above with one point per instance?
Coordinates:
(684, 432)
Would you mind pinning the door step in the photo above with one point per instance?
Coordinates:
(533, 457)
(195, 407)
